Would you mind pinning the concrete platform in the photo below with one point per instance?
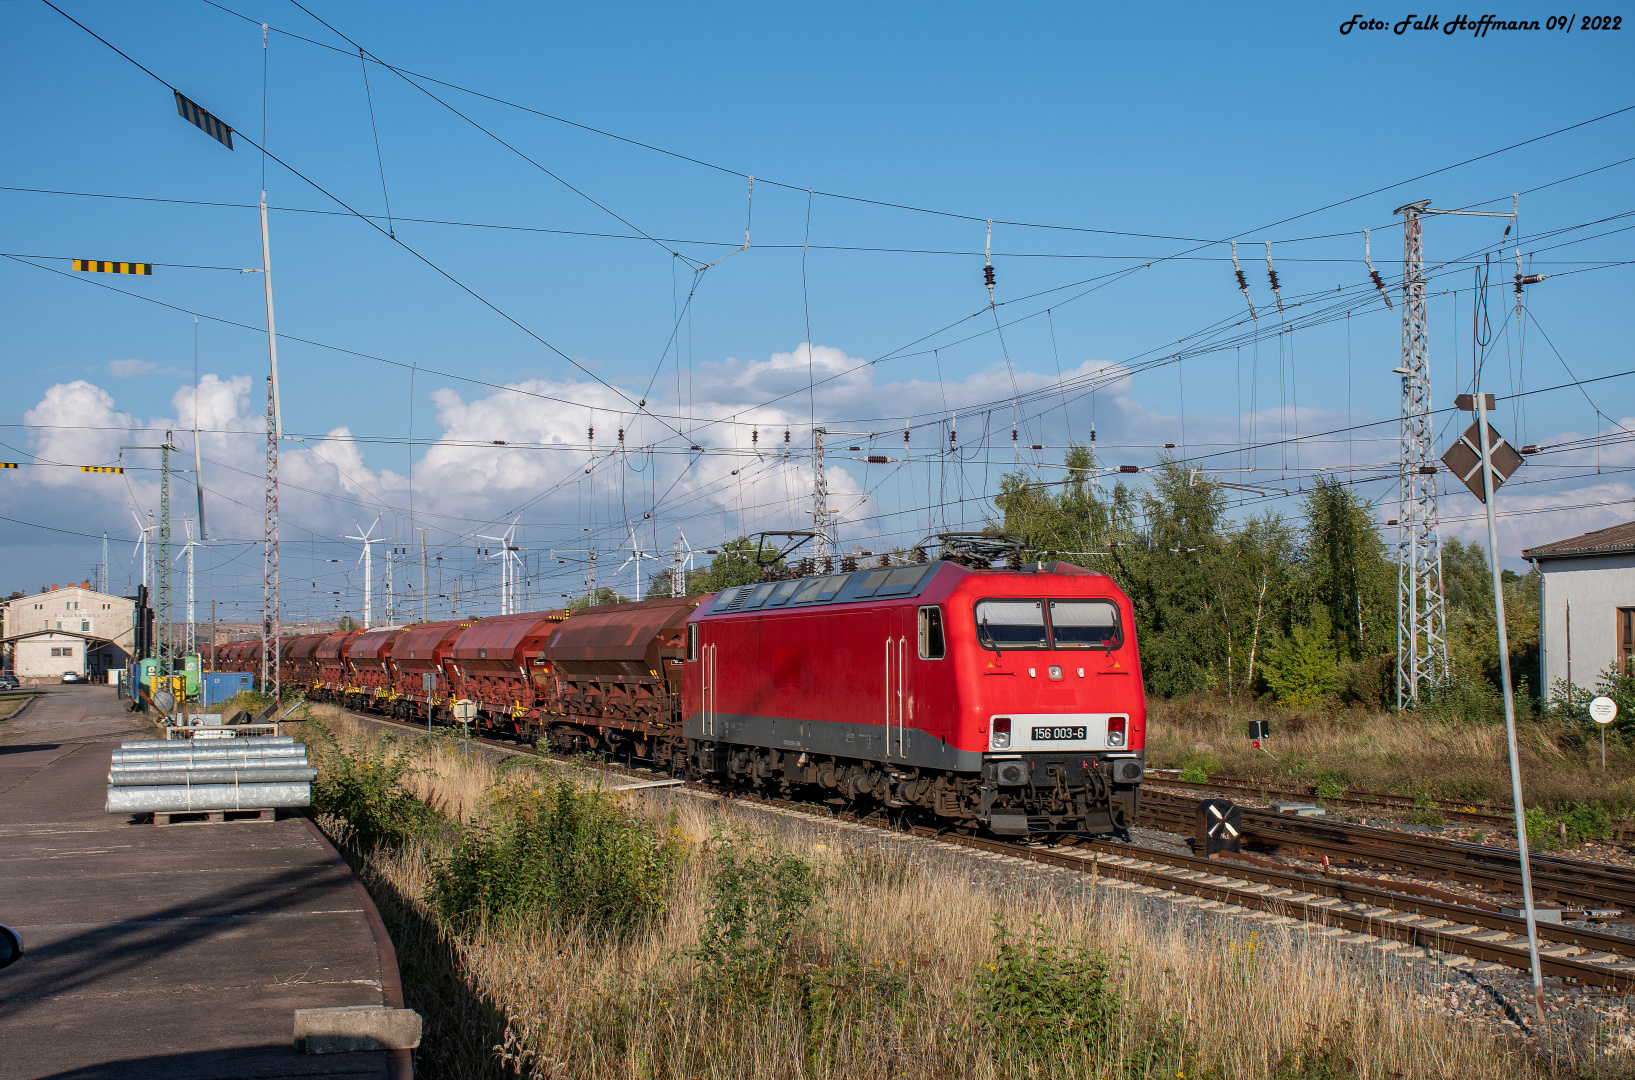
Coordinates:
(174, 953)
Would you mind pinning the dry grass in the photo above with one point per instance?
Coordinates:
(1407, 754)
(881, 981)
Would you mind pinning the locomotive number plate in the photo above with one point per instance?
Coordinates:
(1047, 734)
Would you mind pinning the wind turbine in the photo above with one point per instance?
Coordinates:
(142, 542)
(187, 549)
(508, 557)
(367, 561)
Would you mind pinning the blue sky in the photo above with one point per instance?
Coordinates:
(1180, 125)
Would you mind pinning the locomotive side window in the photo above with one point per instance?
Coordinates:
(692, 641)
(931, 641)
(1011, 624)
(1085, 624)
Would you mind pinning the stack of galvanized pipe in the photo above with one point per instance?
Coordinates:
(163, 776)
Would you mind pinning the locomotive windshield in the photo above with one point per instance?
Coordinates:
(1011, 624)
(1084, 624)
(1074, 624)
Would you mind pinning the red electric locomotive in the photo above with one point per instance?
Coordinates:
(1010, 699)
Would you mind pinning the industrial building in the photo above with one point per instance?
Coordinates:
(66, 628)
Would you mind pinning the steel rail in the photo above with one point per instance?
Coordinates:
(1559, 879)
(1246, 886)
(1464, 811)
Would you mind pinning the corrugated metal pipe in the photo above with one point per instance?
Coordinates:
(171, 744)
(182, 797)
(272, 774)
(213, 754)
(294, 761)
(156, 776)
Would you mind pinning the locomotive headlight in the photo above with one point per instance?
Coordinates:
(999, 738)
(1117, 726)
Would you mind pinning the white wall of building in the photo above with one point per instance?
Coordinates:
(1584, 593)
(48, 656)
(72, 608)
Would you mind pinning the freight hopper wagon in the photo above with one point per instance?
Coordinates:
(500, 665)
(369, 660)
(1010, 699)
(617, 680)
(422, 659)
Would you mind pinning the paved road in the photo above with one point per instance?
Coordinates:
(177, 952)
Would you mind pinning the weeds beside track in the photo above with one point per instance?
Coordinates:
(883, 973)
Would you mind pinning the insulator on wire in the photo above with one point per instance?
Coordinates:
(755, 437)
(987, 256)
(905, 436)
(1374, 275)
(1243, 282)
(1272, 275)
(592, 434)
(621, 436)
(786, 436)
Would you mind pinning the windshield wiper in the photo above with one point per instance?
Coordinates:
(989, 635)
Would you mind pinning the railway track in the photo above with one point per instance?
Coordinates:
(1496, 870)
(1453, 809)
(1348, 911)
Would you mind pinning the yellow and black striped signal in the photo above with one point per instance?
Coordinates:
(101, 468)
(8, 464)
(95, 266)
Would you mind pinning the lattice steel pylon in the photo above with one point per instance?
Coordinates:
(271, 630)
(820, 497)
(167, 651)
(1422, 635)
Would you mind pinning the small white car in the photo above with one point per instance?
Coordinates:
(72, 676)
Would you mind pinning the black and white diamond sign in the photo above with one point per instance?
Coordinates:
(1464, 459)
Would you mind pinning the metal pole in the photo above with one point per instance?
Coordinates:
(272, 334)
(167, 652)
(368, 585)
(271, 630)
(1509, 707)
(422, 575)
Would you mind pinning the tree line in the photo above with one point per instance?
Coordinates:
(1293, 610)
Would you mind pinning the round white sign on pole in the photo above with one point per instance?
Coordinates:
(1603, 710)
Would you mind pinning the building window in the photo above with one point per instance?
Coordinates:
(85, 625)
(1626, 641)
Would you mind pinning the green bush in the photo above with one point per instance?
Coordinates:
(1302, 668)
(366, 790)
(1042, 999)
(556, 851)
(1194, 773)
(1329, 786)
(1584, 821)
(759, 896)
(1588, 821)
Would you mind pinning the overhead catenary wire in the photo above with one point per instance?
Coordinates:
(1058, 390)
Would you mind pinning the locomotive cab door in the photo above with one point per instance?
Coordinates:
(899, 669)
